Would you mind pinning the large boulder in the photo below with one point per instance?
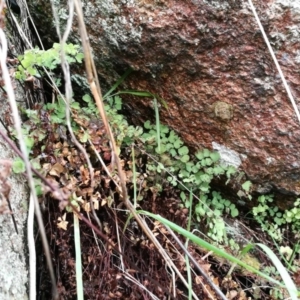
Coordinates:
(210, 64)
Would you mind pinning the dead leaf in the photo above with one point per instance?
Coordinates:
(85, 175)
(296, 277)
(56, 170)
(62, 223)
(242, 296)
(95, 201)
(86, 206)
(231, 294)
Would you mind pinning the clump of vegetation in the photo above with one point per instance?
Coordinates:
(271, 219)
(184, 171)
(191, 173)
(169, 162)
(34, 62)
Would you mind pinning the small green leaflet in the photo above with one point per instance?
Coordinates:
(215, 156)
(87, 98)
(178, 143)
(246, 186)
(185, 158)
(199, 155)
(147, 125)
(18, 166)
(183, 150)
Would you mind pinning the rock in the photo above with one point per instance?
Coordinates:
(199, 56)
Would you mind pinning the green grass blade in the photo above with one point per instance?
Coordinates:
(210, 247)
(295, 250)
(79, 284)
(117, 83)
(136, 93)
(246, 249)
(289, 284)
(139, 94)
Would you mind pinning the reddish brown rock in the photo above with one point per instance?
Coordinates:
(209, 62)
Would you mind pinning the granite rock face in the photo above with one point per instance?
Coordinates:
(209, 62)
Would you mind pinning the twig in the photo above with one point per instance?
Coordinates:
(12, 215)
